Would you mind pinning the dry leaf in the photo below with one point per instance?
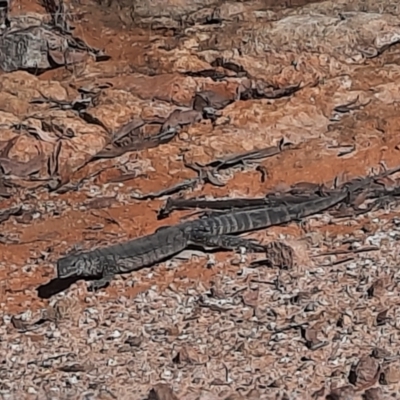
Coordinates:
(19, 324)
(179, 118)
(161, 392)
(380, 353)
(373, 394)
(382, 317)
(250, 298)
(280, 255)
(365, 373)
(341, 393)
(67, 308)
(390, 374)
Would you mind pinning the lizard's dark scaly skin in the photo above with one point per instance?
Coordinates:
(212, 232)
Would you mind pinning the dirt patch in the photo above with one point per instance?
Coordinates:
(186, 85)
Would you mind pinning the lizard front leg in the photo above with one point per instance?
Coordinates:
(101, 283)
(108, 271)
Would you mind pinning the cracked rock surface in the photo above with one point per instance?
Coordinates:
(188, 83)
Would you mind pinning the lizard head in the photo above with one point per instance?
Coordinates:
(71, 265)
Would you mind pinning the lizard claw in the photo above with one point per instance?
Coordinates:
(100, 283)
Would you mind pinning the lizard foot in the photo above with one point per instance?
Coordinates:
(100, 283)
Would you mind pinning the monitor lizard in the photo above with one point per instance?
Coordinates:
(215, 232)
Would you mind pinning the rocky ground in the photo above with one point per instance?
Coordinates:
(220, 78)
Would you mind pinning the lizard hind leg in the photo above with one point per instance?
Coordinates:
(228, 242)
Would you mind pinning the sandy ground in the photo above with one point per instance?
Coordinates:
(206, 326)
